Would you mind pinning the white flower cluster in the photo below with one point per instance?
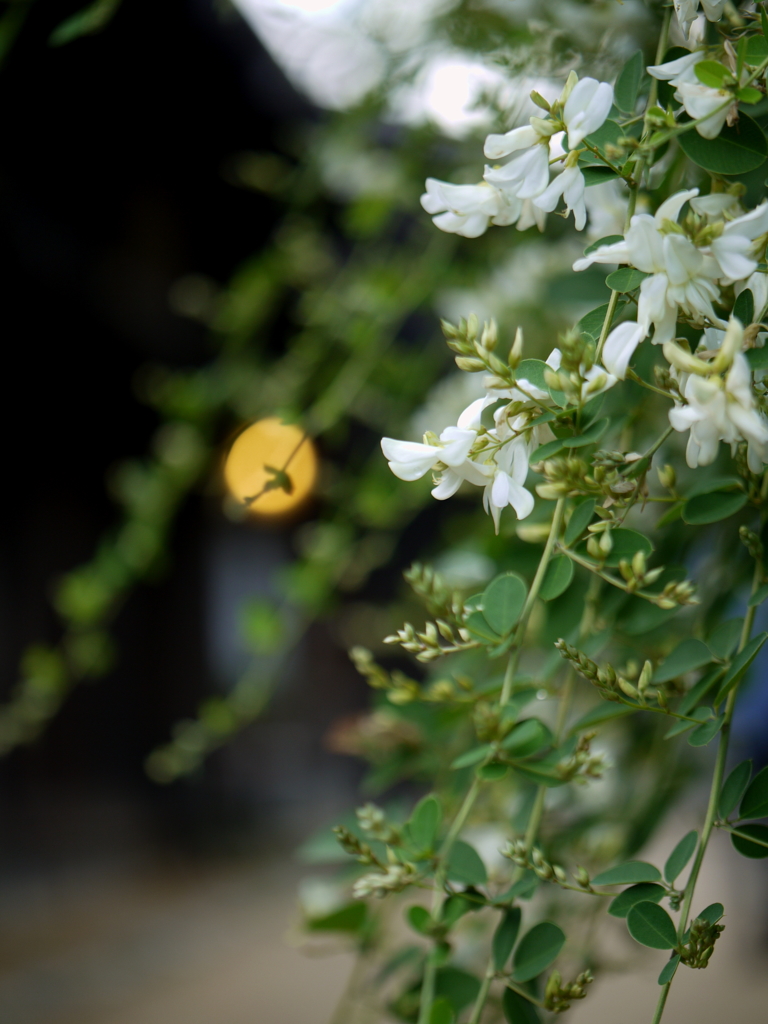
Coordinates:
(519, 191)
(686, 266)
(496, 459)
(687, 11)
(711, 105)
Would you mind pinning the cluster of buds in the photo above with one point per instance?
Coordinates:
(475, 348)
(701, 943)
(401, 689)
(637, 574)
(565, 476)
(373, 821)
(490, 724)
(558, 997)
(611, 684)
(395, 877)
(751, 542)
(611, 474)
(517, 851)
(675, 594)
(582, 764)
(426, 645)
(438, 597)
(575, 377)
(354, 846)
(665, 380)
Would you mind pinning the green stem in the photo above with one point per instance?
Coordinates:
(714, 792)
(533, 593)
(742, 835)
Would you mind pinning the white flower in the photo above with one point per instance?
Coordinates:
(680, 274)
(720, 409)
(734, 249)
(620, 346)
(570, 185)
(757, 283)
(467, 209)
(706, 102)
(687, 11)
(410, 460)
(585, 106)
(606, 209)
(586, 109)
(509, 474)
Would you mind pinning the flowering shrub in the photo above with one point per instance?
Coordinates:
(678, 348)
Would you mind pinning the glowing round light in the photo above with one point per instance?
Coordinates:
(270, 442)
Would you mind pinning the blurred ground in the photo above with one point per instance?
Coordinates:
(167, 943)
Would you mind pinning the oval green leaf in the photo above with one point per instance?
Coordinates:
(650, 925)
(711, 508)
(527, 738)
(591, 435)
(668, 971)
(736, 149)
(537, 950)
(734, 788)
(625, 279)
(744, 307)
(629, 873)
(602, 713)
(492, 772)
(518, 1010)
(680, 856)
(458, 987)
(645, 891)
(755, 802)
(420, 919)
(712, 913)
(350, 918)
(546, 451)
(759, 596)
(740, 665)
(628, 83)
(626, 544)
(425, 822)
(505, 937)
(705, 733)
(557, 579)
(758, 850)
(503, 601)
(471, 757)
(533, 370)
(441, 1012)
(478, 628)
(723, 641)
(465, 865)
(686, 657)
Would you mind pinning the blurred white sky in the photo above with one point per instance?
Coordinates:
(339, 50)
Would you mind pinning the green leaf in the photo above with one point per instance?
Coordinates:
(650, 925)
(518, 1010)
(668, 971)
(624, 902)
(533, 370)
(694, 695)
(557, 578)
(628, 83)
(503, 601)
(629, 873)
(755, 801)
(454, 908)
(592, 434)
(757, 49)
(740, 666)
(478, 628)
(524, 888)
(458, 987)
(527, 738)
(546, 451)
(420, 919)
(625, 279)
(711, 508)
(591, 324)
(744, 306)
(425, 822)
(606, 240)
(680, 856)
(89, 20)
(736, 149)
(705, 733)
(626, 544)
(608, 134)
(505, 936)
(734, 788)
(596, 174)
(707, 485)
(602, 713)
(759, 596)
(686, 657)
(538, 948)
(757, 358)
(492, 772)
(723, 641)
(712, 913)
(465, 865)
(349, 918)
(472, 756)
(713, 74)
(681, 726)
(748, 849)
(580, 519)
(441, 1012)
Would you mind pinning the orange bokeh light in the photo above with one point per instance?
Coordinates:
(270, 442)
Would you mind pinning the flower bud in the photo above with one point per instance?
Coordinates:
(667, 477)
(516, 352)
(628, 688)
(645, 676)
(539, 100)
(469, 364)
(490, 335)
(639, 564)
(606, 543)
